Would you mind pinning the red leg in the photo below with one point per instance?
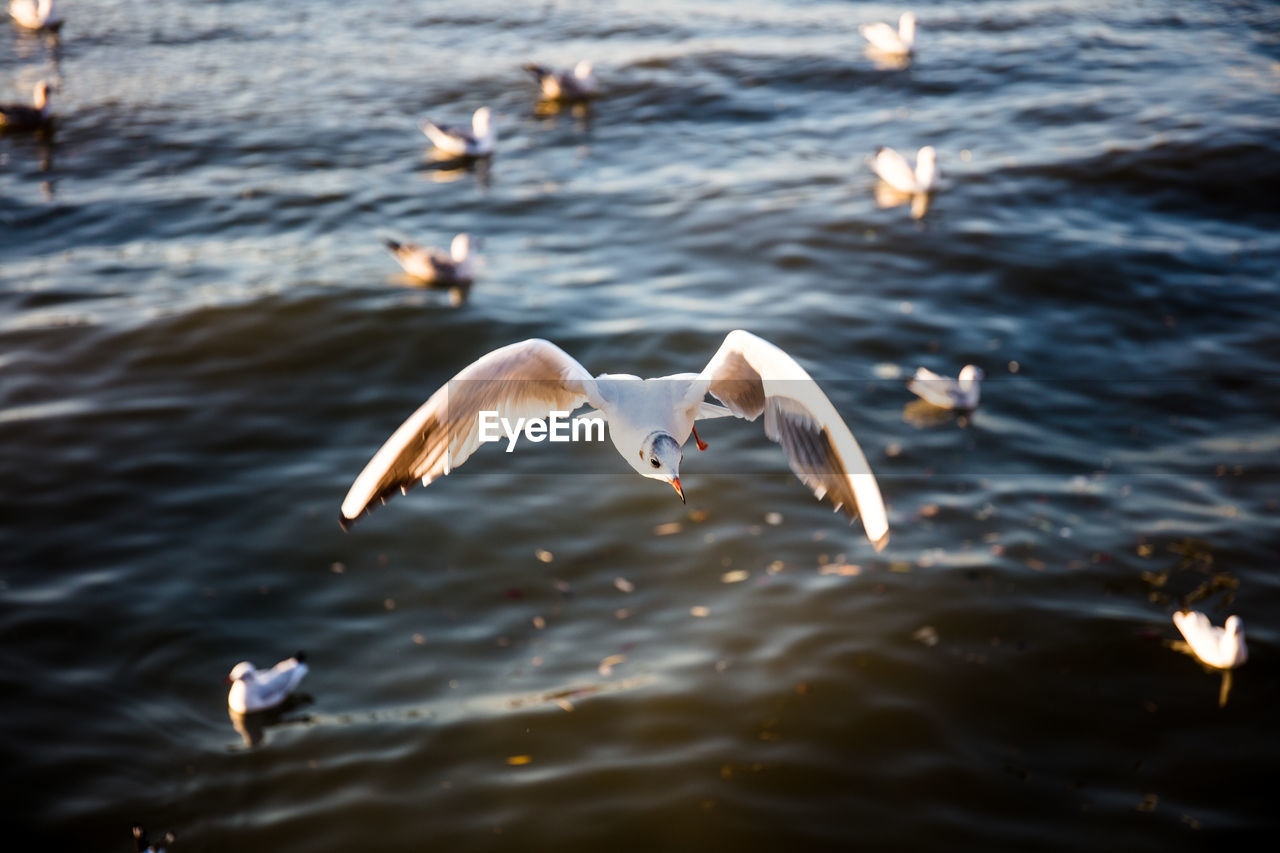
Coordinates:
(702, 445)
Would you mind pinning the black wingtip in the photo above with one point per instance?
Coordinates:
(300, 656)
(344, 522)
(392, 245)
(879, 148)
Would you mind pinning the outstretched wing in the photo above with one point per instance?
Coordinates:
(894, 169)
(750, 375)
(530, 379)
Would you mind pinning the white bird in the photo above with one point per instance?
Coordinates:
(28, 117)
(478, 141)
(255, 690)
(947, 393)
(895, 171)
(1223, 648)
(886, 39)
(35, 14)
(435, 266)
(576, 85)
(649, 421)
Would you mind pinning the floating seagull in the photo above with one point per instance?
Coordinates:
(458, 141)
(35, 14)
(433, 265)
(885, 39)
(895, 171)
(23, 117)
(1223, 648)
(576, 85)
(947, 393)
(254, 690)
(649, 421)
(145, 844)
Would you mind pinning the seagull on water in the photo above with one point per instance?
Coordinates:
(477, 141)
(895, 171)
(576, 85)
(28, 117)
(649, 421)
(35, 14)
(947, 393)
(255, 690)
(885, 39)
(434, 266)
(1223, 648)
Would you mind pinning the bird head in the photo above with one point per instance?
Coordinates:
(926, 167)
(460, 248)
(40, 95)
(659, 459)
(583, 69)
(907, 28)
(970, 374)
(241, 671)
(482, 121)
(1234, 626)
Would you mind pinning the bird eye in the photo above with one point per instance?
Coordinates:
(653, 462)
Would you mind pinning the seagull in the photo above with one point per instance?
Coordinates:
(479, 141)
(895, 171)
(649, 421)
(254, 690)
(1223, 648)
(24, 117)
(35, 14)
(885, 39)
(947, 393)
(576, 85)
(433, 265)
(145, 844)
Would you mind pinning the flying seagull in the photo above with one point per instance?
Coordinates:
(477, 141)
(649, 421)
(576, 85)
(35, 14)
(435, 266)
(24, 117)
(1223, 648)
(946, 393)
(886, 39)
(255, 690)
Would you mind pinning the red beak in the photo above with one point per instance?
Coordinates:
(675, 484)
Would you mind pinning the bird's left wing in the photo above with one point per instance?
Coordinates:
(750, 376)
(529, 379)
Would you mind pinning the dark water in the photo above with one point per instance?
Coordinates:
(202, 341)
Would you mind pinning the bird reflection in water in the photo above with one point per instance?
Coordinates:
(441, 168)
(887, 197)
(252, 726)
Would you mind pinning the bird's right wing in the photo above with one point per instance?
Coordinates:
(529, 379)
(752, 377)
(894, 169)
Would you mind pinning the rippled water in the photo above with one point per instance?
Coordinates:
(202, 341)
